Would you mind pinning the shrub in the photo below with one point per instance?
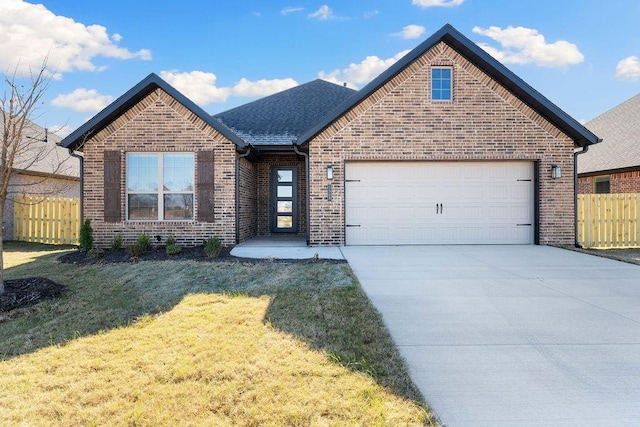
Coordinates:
(116, 242)
(86, 236)
(212, 247)
(172, 247)
(96, 252)
(142, 245)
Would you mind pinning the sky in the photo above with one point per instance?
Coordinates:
(583, 55)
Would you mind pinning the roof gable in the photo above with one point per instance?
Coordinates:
(476, 55)
(620, 132)
(280, 118)
(133, 96)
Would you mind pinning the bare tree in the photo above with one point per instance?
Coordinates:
(19, 103)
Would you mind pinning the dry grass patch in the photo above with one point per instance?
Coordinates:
(211, 360)
(163, 343)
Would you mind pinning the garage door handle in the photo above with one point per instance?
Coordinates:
(438, 208)
(352, 225)
(523, 225)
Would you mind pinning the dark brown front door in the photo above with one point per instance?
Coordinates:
(284, 200)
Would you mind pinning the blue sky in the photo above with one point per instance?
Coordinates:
(584, 55)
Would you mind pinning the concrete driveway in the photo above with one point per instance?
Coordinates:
(511, 335)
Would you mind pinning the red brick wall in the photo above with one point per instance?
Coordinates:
(158, 123)
(264, 184)
(399, 122)
(248, 203)
(622, 182)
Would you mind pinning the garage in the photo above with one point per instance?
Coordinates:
(410, 203)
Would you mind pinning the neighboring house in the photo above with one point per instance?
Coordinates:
(614, 165)
(446, 146)
(41, 169)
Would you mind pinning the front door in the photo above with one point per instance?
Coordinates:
(284, 200)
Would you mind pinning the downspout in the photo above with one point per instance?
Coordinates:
(306, 182)
(238, 157)
(78, 156)
(575, 193)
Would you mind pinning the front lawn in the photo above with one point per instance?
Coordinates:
(201, 343)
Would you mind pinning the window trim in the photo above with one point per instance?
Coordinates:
(160, 192)
(441, 67)
(599, 179)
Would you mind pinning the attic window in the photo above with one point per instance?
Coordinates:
(441, 83)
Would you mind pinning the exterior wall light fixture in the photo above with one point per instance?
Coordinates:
(330, 172)
(556, 171)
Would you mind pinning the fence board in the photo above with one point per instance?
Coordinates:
(608, 220)
(52, 220)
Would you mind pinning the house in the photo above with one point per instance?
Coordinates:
(614, 165)
(42, 169)
(447, 146)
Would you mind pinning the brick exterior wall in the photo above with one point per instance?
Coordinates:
(622, 182)
(264, 190)
(158, 123)
(248, 205)
(483, 122)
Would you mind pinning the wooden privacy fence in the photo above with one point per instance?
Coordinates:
(53, 220)
(608, 220)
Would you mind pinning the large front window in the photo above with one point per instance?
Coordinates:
(160, 186)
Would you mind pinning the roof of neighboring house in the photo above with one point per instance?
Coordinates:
(40, 154)
(280, 118)
(619, 129)
(133, 96)
(449, 35)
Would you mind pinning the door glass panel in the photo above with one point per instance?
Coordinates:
(285, 206)
(285, 176)
(285, 191)
(285, 221)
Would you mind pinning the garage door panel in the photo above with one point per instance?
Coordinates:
(439, 202)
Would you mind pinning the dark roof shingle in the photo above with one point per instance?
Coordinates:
(280, 118)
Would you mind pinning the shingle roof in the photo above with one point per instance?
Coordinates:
(130, 98)
(619, 129)
(43, 157)
(280, 118)
(485, 62)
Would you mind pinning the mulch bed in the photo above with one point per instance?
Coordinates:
(187, 254)
(20, 293)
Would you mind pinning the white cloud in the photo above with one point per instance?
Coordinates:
(200, 86)
(411, 32)
(262, 87)
(291, 9)
(522, 45)
(83, 100)
(358, 74)
(325, 13)
(628, 69)
(436, 3)
(30, 32)
(370, 14)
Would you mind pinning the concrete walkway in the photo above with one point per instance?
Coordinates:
(512, 335)
(283, 247)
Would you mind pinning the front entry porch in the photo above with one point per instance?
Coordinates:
(272, 197)
(284, 246)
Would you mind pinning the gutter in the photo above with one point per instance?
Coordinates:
(81, 158)
(238, 157)
(575, 193)
(306, 181)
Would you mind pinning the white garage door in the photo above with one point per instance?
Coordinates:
(405, 203)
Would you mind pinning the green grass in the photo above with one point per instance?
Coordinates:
(181, 342)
